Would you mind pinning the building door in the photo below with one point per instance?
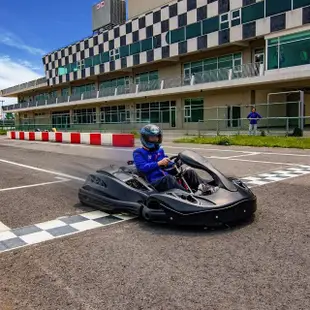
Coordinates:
(233, 116)
(258, 59)
(172, 116)
(294, 109)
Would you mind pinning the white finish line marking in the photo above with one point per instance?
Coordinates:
(60, 180)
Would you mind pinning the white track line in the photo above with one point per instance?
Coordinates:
(243, 155)
(42, 170)
(61, 180)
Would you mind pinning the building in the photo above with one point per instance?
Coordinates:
(180, 64)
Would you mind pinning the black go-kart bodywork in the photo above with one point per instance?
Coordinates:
(124, 190)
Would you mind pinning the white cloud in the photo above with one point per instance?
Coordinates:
(10, 39)
(13, 73)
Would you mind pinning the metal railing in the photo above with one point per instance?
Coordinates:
(90, 122)
(238, 72)
(33, 83)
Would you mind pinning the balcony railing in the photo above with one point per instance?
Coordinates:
(30, 84)
(238, 72)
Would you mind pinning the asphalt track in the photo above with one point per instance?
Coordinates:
(263, 264)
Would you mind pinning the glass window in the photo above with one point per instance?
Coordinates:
(294, 54)
(193, 110)
(88, 62)
(289, 51)
(96, 60)
(253, 12)
(62, 70)
(193, 30)
(177, 35)
(124, 51)
(210, 25)
(146, 45)
(300, 3)
(73, 67)
(134, 48)
(105, 57)
(275, 6)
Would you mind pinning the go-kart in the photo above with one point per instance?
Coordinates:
(125, 190)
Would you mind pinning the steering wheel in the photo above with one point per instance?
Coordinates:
(177, 166)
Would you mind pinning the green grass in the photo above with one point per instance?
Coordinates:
(2, 132)
(258, 141)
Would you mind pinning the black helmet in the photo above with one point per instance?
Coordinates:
(150, 131)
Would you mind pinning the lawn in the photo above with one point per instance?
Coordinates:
(2, 132)
(258, 141)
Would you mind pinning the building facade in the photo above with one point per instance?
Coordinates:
(184, 63)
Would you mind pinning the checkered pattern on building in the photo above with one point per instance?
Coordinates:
(165, 19)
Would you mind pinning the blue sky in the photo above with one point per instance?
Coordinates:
(28, 29)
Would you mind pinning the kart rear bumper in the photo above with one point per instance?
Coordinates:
(107, 204)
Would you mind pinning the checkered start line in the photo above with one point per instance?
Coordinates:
(61, 227)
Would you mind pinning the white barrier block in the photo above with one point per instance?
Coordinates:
(85, 138)
(66, 137)
(106, 139)
(26, 135)
(38, 136)
(52, 136)
(8, 134)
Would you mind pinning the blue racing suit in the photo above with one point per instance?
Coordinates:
(146, 162)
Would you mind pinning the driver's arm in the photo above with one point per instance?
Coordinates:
(143, 165)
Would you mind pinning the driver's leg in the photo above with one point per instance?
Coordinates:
(192, 178)
(196, 182)
(167, 182)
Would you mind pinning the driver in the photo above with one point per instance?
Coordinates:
(151, 158)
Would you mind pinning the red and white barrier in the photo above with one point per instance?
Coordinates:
(107, 139)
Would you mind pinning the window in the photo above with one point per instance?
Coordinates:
(252, 12)
(193, 110)
(235, 17)
(78, 90)
(114, 54)
(177, 35)
(146, 45)
(289, 51)
(147, 81)
(224, 21)
(124, 51)
(65, 92)
(275, 7)
(203, 66)
(114, 114)
(135, 48)
(300, 3)
(84, 116)
(210, 25)
(114, 83)
(193, 30)
(155, 112)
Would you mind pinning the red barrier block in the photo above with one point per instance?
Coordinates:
(75, 137)
(21, 135)
(13, 135)
(95, 139)
(58, 137)
(45, 136)
(123, 140)
(32, 136)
